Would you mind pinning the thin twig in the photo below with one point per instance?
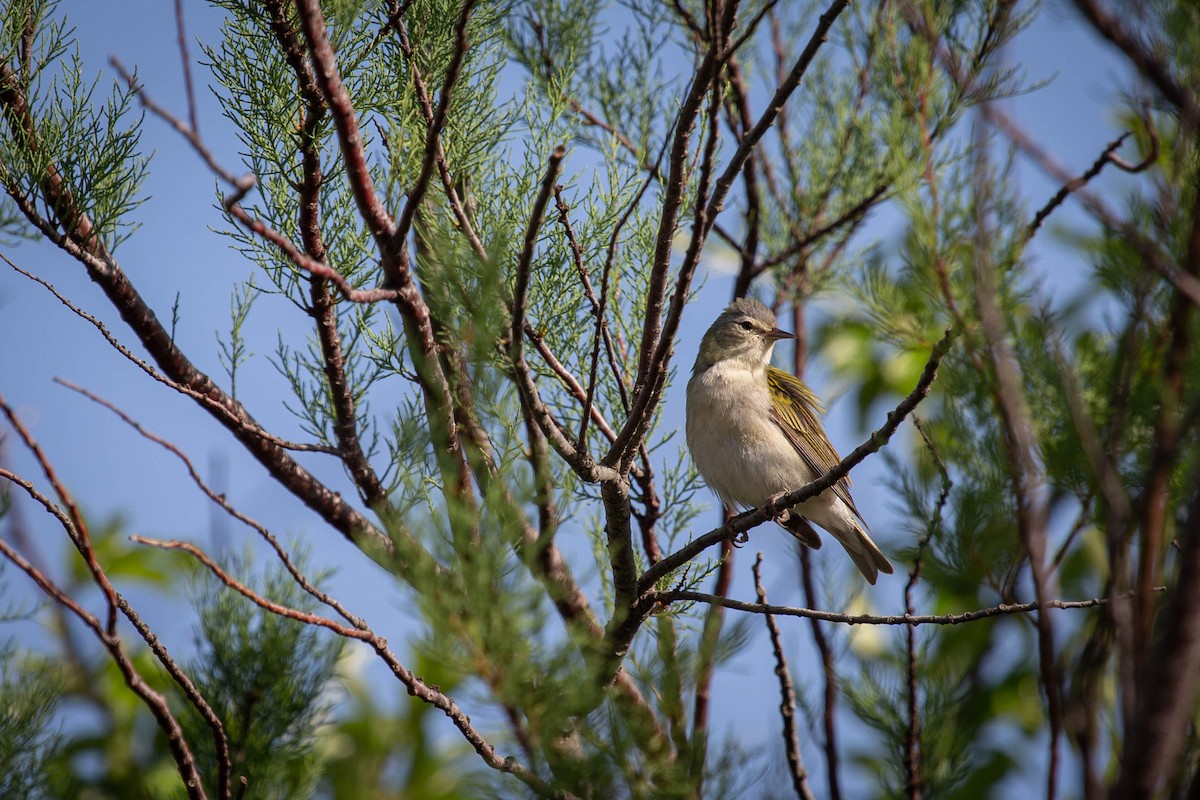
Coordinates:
(668, 596)
(157, 703)
(188, 132)
(415, 686)
(224, 503)
(829, 677)
(787, 701)
(186, 62)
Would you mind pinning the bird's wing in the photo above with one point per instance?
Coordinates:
(796, 415)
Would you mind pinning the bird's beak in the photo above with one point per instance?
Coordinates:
(778, 334)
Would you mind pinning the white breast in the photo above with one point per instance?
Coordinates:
(739, 451)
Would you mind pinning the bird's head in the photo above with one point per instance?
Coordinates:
(745, 331)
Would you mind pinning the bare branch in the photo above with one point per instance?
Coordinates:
(415, 686)
(787, 702)
(579, 460)
(154, 701)
(668, 596)
(189, 132)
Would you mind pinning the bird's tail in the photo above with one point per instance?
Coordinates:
(864, 553)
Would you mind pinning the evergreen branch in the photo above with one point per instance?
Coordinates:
(445, 416)
(659, 335)
(787, 702)
(654, 364)
(324, 313)
(80, 242)
(416, 686)
(350, 139)
(434, 151)
(1188, 284)
(773, 508)
(149, 369)
(668, 596)
(672, 201)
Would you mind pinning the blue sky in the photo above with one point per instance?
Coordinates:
(175, 253)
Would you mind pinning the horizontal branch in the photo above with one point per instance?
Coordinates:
(1002, 610)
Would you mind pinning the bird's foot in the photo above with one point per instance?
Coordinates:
(783, 515)
(738, 538)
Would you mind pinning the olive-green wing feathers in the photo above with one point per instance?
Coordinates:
(794, 408)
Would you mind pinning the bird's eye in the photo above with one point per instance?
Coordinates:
(746, 325)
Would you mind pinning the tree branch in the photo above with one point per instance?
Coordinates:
(787, 702)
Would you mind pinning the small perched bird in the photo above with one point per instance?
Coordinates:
(754, 433)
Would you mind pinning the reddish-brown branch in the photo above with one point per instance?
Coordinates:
(157, 703)
(81, 243)
(415, 686)
(706, 655)
(350, 139)
(829, 676)
(323, 310)
(188, 132)
(186, 62)
(78, 529)
(221, 501)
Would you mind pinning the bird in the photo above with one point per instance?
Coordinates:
(754, 432)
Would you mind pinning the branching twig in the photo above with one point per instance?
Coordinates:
(415, 686)
(579, 460)
(157, 703)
